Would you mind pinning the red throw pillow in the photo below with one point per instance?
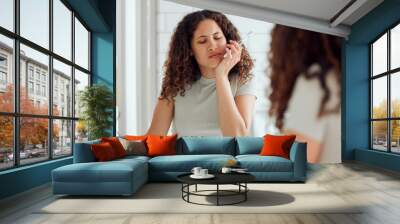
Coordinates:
(116, 145)
(103, 151)
(277, 145)
(161, 145)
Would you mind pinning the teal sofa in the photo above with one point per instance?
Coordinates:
(125, 176)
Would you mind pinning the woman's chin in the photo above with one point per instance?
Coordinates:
(213, 62)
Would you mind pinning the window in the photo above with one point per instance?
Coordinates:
(3, 61)
(62, 74)
(385, 94)
(30, 87)
(30, 72)
(7, 14)
(6, 73)
(3, 72)
(3, 78)
(62, 29)
(43, 90)
(38, 74)
(34, 21)
(37, 89)
(81, 81)
(81, 45)
(54, 125)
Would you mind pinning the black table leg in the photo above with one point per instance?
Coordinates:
(217, 194)
(245, 193)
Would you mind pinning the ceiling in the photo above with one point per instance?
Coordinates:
(326, 16)
(319, 9)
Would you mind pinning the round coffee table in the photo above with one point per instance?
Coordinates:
(238, 179)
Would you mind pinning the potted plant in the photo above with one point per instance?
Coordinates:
(97, 103)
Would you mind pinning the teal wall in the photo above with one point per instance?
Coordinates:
(356, 101)
(24, 178)
(99, 16)
(103, 63)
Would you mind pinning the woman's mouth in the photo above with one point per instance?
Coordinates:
(215, 55)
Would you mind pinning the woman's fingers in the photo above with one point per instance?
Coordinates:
(235, 52)
(236, 44)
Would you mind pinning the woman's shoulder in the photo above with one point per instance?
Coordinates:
(244, 87)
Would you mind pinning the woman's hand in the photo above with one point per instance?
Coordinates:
(232, 57)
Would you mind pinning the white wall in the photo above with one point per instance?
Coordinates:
(126, 66)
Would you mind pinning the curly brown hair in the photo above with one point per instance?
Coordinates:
(181, 69)
(291, 54)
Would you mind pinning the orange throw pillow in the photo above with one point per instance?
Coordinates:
(116, 145)
(277, 145)
(161, 145)
(103, 152)
(136, 137)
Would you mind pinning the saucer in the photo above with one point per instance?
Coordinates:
(208, 176)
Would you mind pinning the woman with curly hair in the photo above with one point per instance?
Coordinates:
(305, 71)
(206, 88)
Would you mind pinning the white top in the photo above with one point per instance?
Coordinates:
(196, 113)
(302, 116)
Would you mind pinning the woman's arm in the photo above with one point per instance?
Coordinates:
(162, 118)
(235, 115)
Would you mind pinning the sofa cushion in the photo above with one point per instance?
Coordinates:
(111, 171)
(249, 145)
(195, 145)
(257, 163)
(185, 163)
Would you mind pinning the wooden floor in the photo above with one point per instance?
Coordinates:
(353, 182)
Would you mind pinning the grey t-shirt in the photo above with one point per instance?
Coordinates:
(196, 113)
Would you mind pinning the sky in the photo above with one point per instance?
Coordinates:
(34, 26)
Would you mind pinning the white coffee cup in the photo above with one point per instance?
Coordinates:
(196, 170)
(226, 170)
(203, 172)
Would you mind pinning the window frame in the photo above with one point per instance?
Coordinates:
(16, 115)
(388, 74)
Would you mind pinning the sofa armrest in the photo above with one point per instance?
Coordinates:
(298, 155)
(83, 152)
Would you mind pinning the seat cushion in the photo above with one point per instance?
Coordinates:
(257, 163)
(112, 171)
(185, 163)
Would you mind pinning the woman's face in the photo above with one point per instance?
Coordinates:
(208, 44)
